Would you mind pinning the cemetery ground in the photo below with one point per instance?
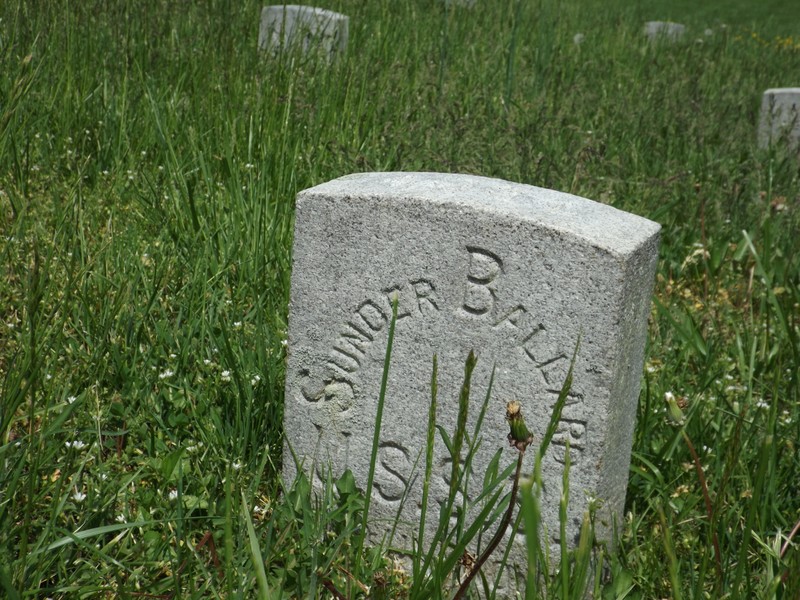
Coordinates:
(149, 161)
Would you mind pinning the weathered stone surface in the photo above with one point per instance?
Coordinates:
(780, 117)
(515, 273)
(283, 26)
(664, 30)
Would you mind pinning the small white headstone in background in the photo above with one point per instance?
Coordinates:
(287, 25)
(780, 117)
(514, 272)
(664, 30)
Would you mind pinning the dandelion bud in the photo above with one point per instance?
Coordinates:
(674, 411)
(519, 435)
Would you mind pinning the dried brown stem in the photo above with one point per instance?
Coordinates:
(501, 531)
(328, 585)
(785, 547)
(709, 508)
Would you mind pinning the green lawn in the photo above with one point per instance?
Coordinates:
(149, 160)
(775, 16)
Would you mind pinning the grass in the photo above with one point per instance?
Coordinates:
(148, 164)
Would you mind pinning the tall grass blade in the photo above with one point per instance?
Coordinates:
(255, 553)
(530, 492)
(429, 444)
(672, 558)
(461, 422)
(378, 420)
(562, 518)
(90, 533)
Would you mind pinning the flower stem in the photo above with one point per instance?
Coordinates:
(501, 531)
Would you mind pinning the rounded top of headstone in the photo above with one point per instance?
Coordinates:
(603, 226)
(297, 7)
(787, 90)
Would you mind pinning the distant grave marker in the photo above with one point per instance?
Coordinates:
(515, 273)
(780, 117)
(664, 30)
(285, 26)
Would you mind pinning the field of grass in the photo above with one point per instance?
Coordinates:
(149, 160)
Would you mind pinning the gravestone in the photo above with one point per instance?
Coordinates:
(780, 117)
(664, 30)
(515, 273)
(284, 26)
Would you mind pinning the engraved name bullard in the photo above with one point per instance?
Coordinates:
(329, 390)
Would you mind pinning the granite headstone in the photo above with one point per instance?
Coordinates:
(514, 272)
